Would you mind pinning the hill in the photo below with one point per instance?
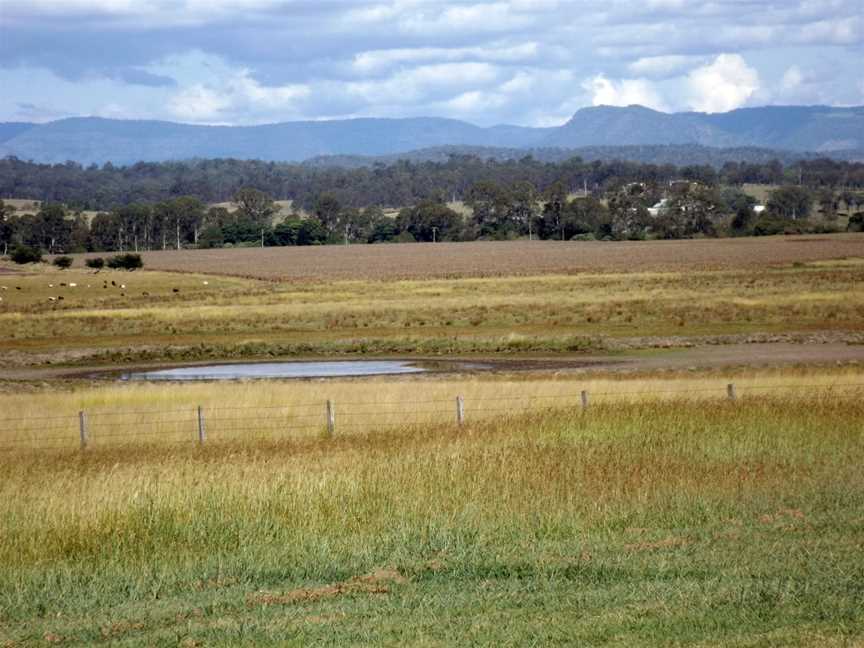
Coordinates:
(675, 154)
(820, 129)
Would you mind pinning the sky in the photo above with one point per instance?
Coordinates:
(526, 62)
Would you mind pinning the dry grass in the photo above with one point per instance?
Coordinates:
(441, 260)
(251, 411)
(644, 524)
(234, 317)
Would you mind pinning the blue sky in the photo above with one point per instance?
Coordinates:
(529, 62)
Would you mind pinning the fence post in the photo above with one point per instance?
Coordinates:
(584, 399)
(331, 417)
(201, 429)
(460, 410)
(730, 392)
(82, 427)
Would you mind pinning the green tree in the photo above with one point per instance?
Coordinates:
(790, 202)
(688, 213)
(430, 221)
(256, 207)
(327, 210)
(6, 229)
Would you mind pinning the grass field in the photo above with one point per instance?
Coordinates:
(179, 316)
(663, 514)
(661, 523)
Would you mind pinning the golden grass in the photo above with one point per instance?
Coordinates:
(146, 413)
(230, 311)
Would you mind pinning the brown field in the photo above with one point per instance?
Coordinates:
(510, 258)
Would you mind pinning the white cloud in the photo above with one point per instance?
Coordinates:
(792, 78)
(662, 66)
(377, 60)
(237, 94)
(723, 85)
(623, 92)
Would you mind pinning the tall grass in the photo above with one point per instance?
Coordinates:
(660, 521)
(158, 412)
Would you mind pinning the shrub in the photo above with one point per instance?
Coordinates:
(97, 263)
(62, 262)
(125, 262)
(856, 223)
(768, 225)
(26, 254)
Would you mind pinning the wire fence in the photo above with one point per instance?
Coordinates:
(103, 428)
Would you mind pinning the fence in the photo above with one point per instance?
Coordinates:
(197, 424)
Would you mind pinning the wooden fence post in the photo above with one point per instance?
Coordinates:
(460, 410)
(201, 429)
(82, 428)
(730, 391)
(584, 399)
(331, 417)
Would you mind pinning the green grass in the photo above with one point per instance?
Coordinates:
(632, 524)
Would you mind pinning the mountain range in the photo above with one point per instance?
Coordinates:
(833, 132)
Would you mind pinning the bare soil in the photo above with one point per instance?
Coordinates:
(505, 258)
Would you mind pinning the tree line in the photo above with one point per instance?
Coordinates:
(394, 185)
(493, 211)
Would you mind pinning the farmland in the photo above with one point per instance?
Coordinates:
(798, 287)
(663, 513)
(488, 258)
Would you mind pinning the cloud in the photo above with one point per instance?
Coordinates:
(723, 85)
(373, 61)
(236, 94)
(489, 61)
(623, 92)
(662, 66)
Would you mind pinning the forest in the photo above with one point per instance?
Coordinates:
(171, 205)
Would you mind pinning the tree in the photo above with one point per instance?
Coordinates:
(492, 207)
(552, 223)
(327, 210)
(104, 233)
(629, 217)
(49, 229)
(689, 212)
(255, 206)
(211, 237)
(180, 218)
(6, 229)
(63, 262)
(430, 221)
(524, 197)
(790, 202)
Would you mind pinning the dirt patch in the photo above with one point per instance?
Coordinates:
(378, 582)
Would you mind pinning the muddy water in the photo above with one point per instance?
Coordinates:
(264, 370)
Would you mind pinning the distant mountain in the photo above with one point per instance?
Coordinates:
(8, 130)
(675, 154)
(93, 140)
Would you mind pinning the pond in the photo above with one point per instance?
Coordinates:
(265, 370)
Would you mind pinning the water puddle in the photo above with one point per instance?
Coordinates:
(270, 370)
